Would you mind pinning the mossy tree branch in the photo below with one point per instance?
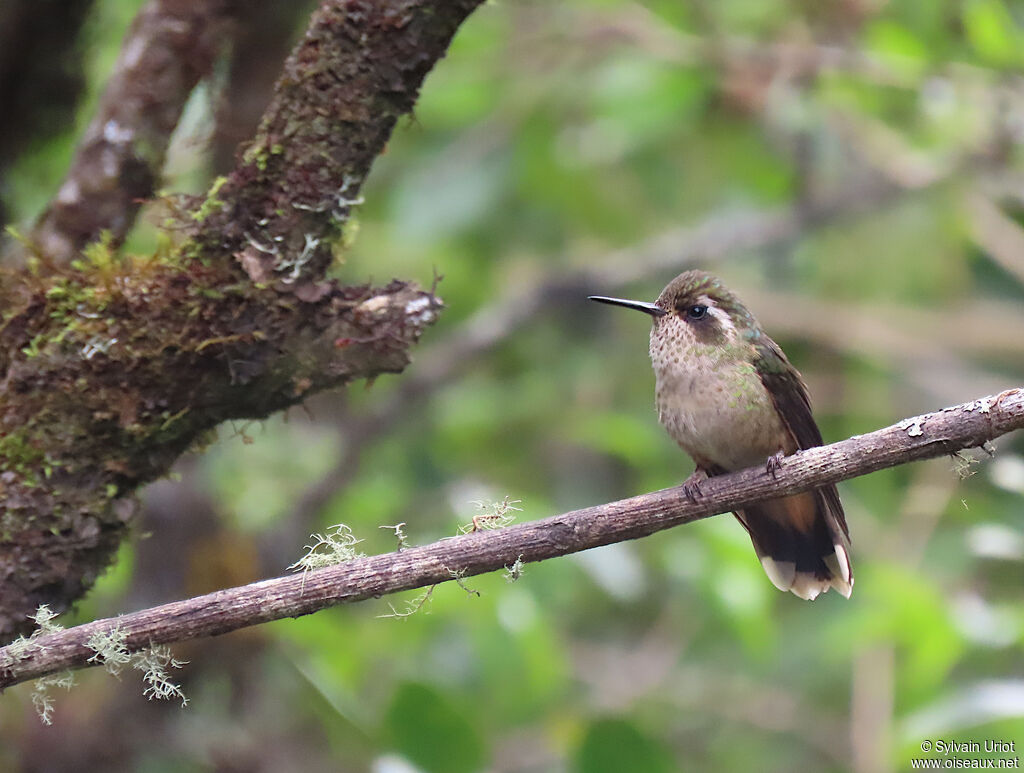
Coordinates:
(935, 434)
(110, 368)
(357, 70)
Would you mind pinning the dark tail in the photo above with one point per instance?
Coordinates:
(803, 542)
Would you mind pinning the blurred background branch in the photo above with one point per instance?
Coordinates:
(38, 55)
(170, 46)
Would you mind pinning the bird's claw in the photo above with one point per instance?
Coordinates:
(774, 464)
(691, 486)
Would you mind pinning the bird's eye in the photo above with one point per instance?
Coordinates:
(697, 311)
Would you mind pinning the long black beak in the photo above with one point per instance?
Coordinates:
(647, 308)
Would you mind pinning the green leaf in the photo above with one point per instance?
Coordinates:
(630, 438)
(901, 48)
(615, 745)
(260, 480)
(991, 31)
(430, 731)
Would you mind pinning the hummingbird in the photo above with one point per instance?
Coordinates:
(727, 394)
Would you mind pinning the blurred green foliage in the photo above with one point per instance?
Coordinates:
(557, 137)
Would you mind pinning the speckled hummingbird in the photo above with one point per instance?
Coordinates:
(729, 397)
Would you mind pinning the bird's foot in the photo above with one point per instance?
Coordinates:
(691, 486)
(774, 464)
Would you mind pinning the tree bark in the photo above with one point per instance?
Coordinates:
(110, 368)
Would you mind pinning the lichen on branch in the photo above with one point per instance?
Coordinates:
(942, 432)
(111, 367)
(109, 375)
(355, 73)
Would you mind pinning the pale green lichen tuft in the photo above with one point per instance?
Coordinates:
(112, 652)
(962, 464)
(515, 571)
(22, 647)
(41, 698)
(459, 575)
(43, 618)
(154, 662)
(411, 607)
(111, 649)
(335, 547)
(492, 515)
(400, 536)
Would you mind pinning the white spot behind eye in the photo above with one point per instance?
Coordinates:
(719, 314)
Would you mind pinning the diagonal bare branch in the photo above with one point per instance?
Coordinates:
(921, 437)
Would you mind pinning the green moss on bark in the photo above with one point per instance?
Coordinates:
(113, 367)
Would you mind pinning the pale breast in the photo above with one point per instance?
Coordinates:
(719, 411)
